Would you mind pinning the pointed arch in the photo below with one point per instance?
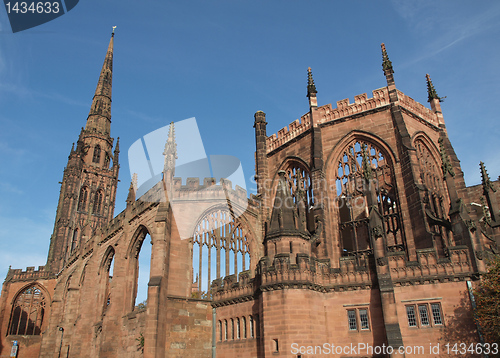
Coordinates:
(221, 246)
(133, 254)
(83, 198)
(98, 202)
(436, 200)
(298, 175)
(28, 311)
(74, 240)
(106, 273)
(356, 156)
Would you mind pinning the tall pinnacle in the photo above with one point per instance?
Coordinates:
(485, 178)
(311, 90)
(431, 91)
(311, 87)
(100, 113)
(386, 63)
(170, 151)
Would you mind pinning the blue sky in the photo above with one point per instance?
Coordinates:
(221, 61)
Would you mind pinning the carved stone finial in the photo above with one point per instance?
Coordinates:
(386, 63)
(311, 87)
(446, 165)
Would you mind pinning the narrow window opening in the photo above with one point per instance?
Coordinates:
(276, 347)
(143, 269)
(351, 316)
(436, 314)
(424, 316)
(410, 313)
(97, 154)
(363, 319)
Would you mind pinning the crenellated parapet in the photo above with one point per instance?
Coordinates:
(418, 109)
(326, 113)
(286, 134)
(29, 275)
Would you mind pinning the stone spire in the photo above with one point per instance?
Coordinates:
(170, 151)
(99, 119)
(311, 89)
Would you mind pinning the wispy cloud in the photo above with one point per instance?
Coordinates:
(426, 19)
(21, 91)
(9, 188)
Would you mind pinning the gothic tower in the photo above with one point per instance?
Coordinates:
(88, 190)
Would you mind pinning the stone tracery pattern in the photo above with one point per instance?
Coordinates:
(28, 312)
(352, 191)
(435, 199)
(221, 247)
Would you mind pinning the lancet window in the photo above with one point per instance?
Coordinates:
(82, 200)
(97, 154)
(435, 199)
(74, 240)
(28, 312)
(353, 192)
(221, 247)
(299, 182)
(98, 202)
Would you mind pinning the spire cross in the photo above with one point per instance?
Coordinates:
(114, 27)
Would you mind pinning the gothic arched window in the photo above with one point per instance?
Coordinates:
(82, 199)
(98, 202)
(106, 272)
(221, 247)
(27, 312)
(74, 240)
(435, 200)
(97, 154)
(299, 182)
(359, 160)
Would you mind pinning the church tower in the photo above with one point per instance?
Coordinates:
(88, 190)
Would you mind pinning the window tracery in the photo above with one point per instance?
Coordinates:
(435, 199)
(299, 182)
(28, 312)
(221, 247)
(361, 160)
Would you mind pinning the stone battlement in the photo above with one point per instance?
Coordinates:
(413, 106)
(326, 113)
(29, 274)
